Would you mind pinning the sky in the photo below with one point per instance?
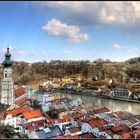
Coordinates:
(70, 30)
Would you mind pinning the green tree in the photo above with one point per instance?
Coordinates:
(113, 84)
(6, 131)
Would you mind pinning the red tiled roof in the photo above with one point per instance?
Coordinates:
(17, 111)
(104, 109)
(32, 114)
(109, 132)
(126, 135)
(67, 117)
(60, 120)
(100, 110)
(97, 123)
(23, 100)
(40, 122)
(20, 91)
(119, 113)
(57, 120)
(106, 128)
(74, 129)
(110, 114)
(66, 137)
(55, 102)
(77, 115)
(61, 110)
(34, 125)
(87, 135)
(86, 119)
(119, 128)
(130, 134)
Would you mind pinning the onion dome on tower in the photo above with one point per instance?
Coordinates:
(7, 62)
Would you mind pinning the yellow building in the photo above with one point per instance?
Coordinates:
(66, 80)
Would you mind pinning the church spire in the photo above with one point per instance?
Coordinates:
(7, 83)
(7, 62)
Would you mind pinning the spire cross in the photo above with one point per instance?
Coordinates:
(8, 48)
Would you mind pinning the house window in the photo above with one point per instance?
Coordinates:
(5, 74)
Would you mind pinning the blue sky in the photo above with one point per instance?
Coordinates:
(38, 31)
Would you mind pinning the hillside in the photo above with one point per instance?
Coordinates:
(133, 60)
(24, 72)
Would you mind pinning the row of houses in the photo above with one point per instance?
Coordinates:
(57, 82)
(122, 93)
(66, 119)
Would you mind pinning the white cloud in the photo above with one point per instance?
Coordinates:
(68, 52)
(57, 28)
(5, 49)
(44, 53)
(133, 50)
(19, 54)
(117, 46)
(136, 6)
(94, 12)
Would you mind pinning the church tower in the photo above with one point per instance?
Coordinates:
(7, 83)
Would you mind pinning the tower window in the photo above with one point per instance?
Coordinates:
(5, 75)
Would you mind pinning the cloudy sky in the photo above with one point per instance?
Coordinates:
(38, 31)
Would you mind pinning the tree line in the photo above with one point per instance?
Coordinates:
(97, 70)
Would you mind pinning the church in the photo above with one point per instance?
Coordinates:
(10, 97)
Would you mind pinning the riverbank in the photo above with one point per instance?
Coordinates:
(113, 105)
(120, 99)
(100, 96)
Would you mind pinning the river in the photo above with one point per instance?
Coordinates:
(113, 105)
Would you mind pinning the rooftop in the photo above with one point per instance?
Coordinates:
(65, 118)
(131, 134)
(21, 101)
(109, 132)
(119, 128)
(87, 136)
(97, 123)
(49, 132)
(118, 113)
(66, 137)
(74, 129)
(17, 111)
(32, 114)
(34, 125)
(20, 91)
(104, 109)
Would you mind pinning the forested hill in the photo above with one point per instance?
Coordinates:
(133, 60)
(122, 71)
